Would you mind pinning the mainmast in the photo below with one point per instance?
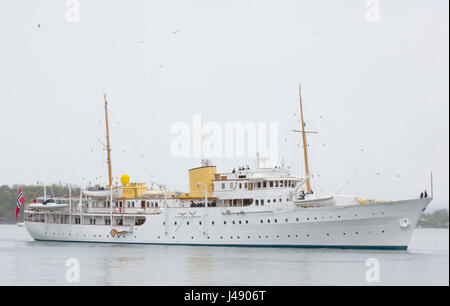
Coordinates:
(108, 147)
(305, 149)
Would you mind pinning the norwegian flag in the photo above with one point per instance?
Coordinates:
(20, 201)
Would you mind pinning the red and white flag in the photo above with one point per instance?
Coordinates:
(20, 201)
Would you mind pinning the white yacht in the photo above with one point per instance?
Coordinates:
(258, 207)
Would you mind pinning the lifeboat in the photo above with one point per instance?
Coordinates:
(104, 193)
(48, 205)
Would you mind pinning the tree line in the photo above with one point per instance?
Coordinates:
(8, 198)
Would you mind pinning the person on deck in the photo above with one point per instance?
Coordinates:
(421, 195)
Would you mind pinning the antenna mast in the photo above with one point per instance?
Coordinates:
(108, 147)
(305, 150)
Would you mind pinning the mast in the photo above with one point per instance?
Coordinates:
(305, 150)
(108, 147)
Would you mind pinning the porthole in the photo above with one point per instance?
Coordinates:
(237, 237)
(262, 221)
(200, 222)
(286, 220)
(234, 222)
(173, 237)
(187, 223)
(240, 222)
(192, 237)
(268, 220)
(248, 237)
(275, 220)
(212, 222)
(224, 222)
(246, 221)
(296, 219)
(175, 223)
(231, 237)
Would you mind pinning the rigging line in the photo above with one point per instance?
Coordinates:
(93, 149)
(384, 165)
(141, 165)
(361, 165)
(122, 130)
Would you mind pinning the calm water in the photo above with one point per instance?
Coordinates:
(26, 262)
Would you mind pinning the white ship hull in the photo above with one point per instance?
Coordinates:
(374, 226)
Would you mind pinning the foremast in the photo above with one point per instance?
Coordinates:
(108, 146)
(305, 147)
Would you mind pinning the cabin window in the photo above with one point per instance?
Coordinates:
(257, 202)
(231, 185)
(245, 186)
(276, 184)
(271, 184)
(281, 183)
(264, 184)
(262, 202)
(259, 184)
(240, 185)
(223, 185)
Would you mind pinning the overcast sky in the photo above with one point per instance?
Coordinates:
(377, 92)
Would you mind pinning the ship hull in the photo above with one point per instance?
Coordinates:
(387, 226)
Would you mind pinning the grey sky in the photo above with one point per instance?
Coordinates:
(380, 86)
